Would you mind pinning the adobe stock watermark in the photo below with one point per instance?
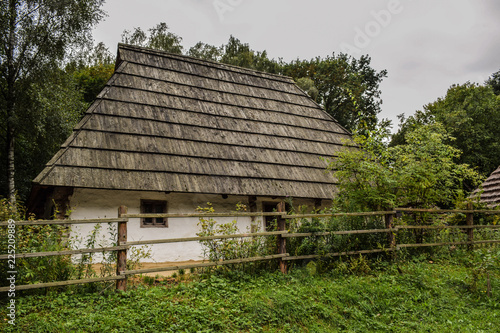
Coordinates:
(373, 28)
(224, 6)
(11, 272)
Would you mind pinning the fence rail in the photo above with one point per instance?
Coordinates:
(62, 253)
(442, 211)
(337, 254)
(64, 283)
(205, 264)
(191, 239)
(281, 234)
(64, 222)
(345, 232)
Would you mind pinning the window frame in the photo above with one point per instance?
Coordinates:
(155, 223)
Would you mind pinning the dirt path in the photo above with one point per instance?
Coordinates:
(97, 267)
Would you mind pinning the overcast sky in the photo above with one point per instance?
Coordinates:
(426, 45)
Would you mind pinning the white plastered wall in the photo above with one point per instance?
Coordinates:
(93, 203)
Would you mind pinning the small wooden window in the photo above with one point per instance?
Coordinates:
(154, 207)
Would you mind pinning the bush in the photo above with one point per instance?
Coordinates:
(52, 238)
(38, 238)
(233, 248)
(323, 245)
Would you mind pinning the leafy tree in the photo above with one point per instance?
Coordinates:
(240, 54)
(494, 82)
(159, 38)
(35, 37)
(348, 88)
(307, 85)
(91, 80)
(206, 51)
(54, 107)
(137, 37)
(422, 173)
(470, 113)
(99, 55)
(92, 72)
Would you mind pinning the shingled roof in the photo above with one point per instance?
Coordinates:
(491, 189)
(173, 123)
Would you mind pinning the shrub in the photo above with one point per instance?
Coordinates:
(52, 238)
(37, 238)
(232, 248)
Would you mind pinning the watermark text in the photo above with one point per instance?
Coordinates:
(222, 7)
(373, 28)
(11, 272)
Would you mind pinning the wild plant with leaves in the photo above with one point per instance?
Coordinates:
(106, 260)
(53, 238)
(422, 173)
(231, 248)
(34, 238)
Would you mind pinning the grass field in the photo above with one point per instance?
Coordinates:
(421, 295)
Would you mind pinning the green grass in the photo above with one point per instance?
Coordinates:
(410, 297)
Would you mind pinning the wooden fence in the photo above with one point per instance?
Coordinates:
(282, 235)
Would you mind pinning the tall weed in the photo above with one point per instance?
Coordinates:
(53, 238)
(233, 248)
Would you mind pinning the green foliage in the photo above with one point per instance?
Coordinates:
(482, 263)
(91, 80)
(159, 38)
(105, 260)
(36, 38)
(420, 297)
(240, 54)
(307, 85)
(43, 269)
(469, 113)
(359, 265)
(41, 238)
(422, 173)
(51, 238)
(328, 244)
(9, 210)
(494, 82)
(50, 109)
(348, 88)
(92, 71)
(206, 52)
(232, 248)
(236, 248)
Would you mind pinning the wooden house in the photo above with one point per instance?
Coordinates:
(170, 133)
(490, 189)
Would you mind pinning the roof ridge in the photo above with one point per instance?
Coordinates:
(284, 78)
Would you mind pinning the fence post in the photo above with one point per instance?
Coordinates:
(470, 222)
(282, 240)
(121, 256)
(389, 223)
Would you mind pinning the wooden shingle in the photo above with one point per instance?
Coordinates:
(173, 123)
(491, 189)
